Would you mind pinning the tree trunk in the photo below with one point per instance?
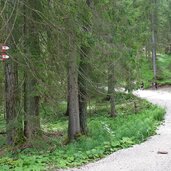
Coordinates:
(13, 118)
(109, 82)
(11, 101)
(82, 82)
(111, 89)
(31, 100)
(74, 120)
(32, 120)
(154, 36)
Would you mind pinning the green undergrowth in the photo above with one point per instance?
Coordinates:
(163, 70)
(2, 129)
(106, 135)
(164, 67)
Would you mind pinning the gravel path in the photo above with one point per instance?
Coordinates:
(143, 157)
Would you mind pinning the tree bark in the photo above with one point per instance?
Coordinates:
(109, 82)
(82, 82)
(111, 89)
(154, 36)
(32, 120)
(74, 119)
(13, 118)
(11, 101)
(31, 100)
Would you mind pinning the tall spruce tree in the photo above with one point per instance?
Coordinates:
(11, 76)
(32, 54)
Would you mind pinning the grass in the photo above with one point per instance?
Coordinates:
(105, 136)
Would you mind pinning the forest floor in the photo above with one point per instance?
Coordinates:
(133, 125)
(152, 155)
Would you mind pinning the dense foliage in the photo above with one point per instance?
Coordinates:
(69, 63)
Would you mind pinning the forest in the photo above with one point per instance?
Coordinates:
(68, 73)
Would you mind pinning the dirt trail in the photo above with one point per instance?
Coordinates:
(143, 157)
